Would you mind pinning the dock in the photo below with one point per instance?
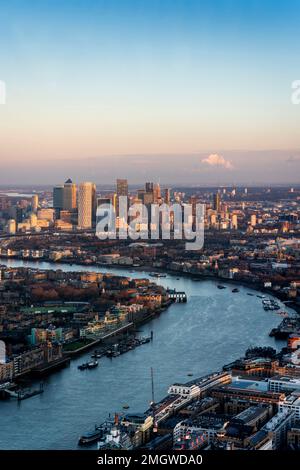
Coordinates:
(21, 394)
(176, 296)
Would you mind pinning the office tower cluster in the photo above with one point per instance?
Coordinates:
(151, 194)
(218, 215)
(75, 206)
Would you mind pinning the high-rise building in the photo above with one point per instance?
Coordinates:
(122, 190)
(217, 202)
(94, 203)
(58, 199)
(140, 194)
(148, 198)
(20, 214)
(122, 187)
(69, 195)
(149, 187)
(85, 205)
(156, 193)
(167, 196)
(34, 203)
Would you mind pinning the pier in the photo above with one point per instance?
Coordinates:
(20, 394)
(176, 296)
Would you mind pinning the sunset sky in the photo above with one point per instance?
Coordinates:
(181, 91)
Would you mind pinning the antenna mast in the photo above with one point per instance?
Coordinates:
(152, 386)
(152, 405)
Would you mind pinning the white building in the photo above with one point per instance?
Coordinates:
(281, 384)
(196, 387)
(292, 403)
(278, 427)
(206, 428)
(184, 390)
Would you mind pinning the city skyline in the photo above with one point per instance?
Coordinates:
(186, 91)
(149, 232)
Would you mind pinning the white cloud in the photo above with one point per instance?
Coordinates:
(217, 160)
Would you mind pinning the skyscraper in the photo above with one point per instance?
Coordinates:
(94, 203)
(122, 187)
(167, 196)
(34, 203)
(217, 202)
(149, 187)
(156, 192)
(58, 199)
(69, 195)
(122, 190)
(85, 205)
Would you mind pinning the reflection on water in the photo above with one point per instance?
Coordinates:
(213, 328)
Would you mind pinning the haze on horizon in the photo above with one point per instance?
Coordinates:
(177, 91)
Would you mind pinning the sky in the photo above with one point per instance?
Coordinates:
(178, 91)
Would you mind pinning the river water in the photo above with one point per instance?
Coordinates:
(213, 328)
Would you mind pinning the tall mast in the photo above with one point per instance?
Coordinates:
(152, 386)
(152, 405)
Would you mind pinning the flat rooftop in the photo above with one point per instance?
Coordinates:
(286, 379)
(259, 385)
(293, 399)
(251, 413)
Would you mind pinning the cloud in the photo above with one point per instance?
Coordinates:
(217, 160)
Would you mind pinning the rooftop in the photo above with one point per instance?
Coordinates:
(208, 420)
(292, 399)
(259, 385)
(286, 379)
(258, 437)
(250, 413)
(277, 420)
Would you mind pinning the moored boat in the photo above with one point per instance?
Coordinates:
(92, 364)
(89, 438)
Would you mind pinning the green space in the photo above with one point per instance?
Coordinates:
(53, 309)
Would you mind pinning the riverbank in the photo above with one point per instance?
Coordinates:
(195, 338)
(190, 275)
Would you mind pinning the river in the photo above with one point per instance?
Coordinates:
(213, 328)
